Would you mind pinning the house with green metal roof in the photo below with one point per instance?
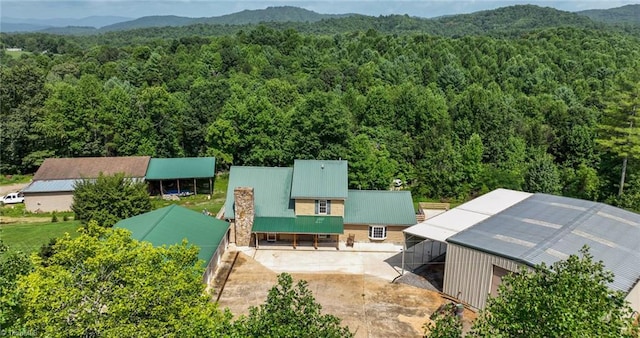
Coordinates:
(311, 204)
(181, 176)
(173, 224)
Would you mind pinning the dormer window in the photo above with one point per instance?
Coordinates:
(323, 207)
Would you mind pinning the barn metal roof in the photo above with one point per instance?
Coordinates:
(271, 190)
(185, 167)
(91, 167)
(51, 186)
(378, 207)
(319, 179)
(547, 228)
(170, 225)
(451, 222)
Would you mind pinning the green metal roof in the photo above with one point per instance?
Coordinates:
(299, 225)
(170, 225)
(319, 179)
(271, 190)
(378, 207)
(185, 167)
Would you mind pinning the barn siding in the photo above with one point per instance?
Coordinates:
(468, 272)
(48, 202)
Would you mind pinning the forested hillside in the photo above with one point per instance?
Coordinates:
(546, 110)
(625, 14)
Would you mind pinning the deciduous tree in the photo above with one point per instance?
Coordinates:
(103, 283)
(109, 199)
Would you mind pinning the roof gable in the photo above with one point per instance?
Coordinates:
(319, 179)
(271, 190)
(176, 168)
(379, 207)
(91, 167)
(170, 225)
(547, 228)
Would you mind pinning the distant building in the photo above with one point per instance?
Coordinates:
(13, 49)
(53, 184)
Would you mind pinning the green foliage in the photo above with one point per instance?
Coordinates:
(444, 323)
(11, 179)
(12, 265)
(542, 174)
(54, 217)
(571, 298)
(105, 283)
(108, 199)
(290, 311)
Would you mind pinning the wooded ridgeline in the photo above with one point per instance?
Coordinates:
(552, 110)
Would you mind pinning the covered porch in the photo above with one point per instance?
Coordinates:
(306, 231)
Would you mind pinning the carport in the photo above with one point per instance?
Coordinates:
(426, 241)
(181, 176)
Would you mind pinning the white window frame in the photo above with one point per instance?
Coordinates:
(271, 237)
(320, 206)
(372, 232)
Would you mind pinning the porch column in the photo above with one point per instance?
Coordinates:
(294, 241)
(178, 183)
(195, 189)
(210, 188)
(161, 192)
(337, 242)
(315, 241)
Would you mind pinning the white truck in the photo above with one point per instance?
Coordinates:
(12, 198)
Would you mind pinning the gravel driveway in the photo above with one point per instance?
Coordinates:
(355, 286)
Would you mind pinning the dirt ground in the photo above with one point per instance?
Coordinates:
(370, 306)
(5, 189)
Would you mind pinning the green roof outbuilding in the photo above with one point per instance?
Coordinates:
(181, 168)
(379, 207)
(319, 179)
(170, 225)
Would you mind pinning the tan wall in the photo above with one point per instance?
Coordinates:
(468, 273)
(361, 231)
(210, 271)
(308, 207)
(48, 202)
(634, 297)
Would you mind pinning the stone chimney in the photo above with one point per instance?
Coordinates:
(244, 213)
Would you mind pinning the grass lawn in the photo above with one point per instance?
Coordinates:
(16, 54)
(29, 237)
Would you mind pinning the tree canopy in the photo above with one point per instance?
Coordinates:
(453, 115)
(109, 199)
(105, 284)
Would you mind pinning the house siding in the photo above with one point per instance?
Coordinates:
(361, 232)
(633, 297)
(48, 202)
(468, 273)
(305, 207)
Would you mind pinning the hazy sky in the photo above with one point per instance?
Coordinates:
(206, 8)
